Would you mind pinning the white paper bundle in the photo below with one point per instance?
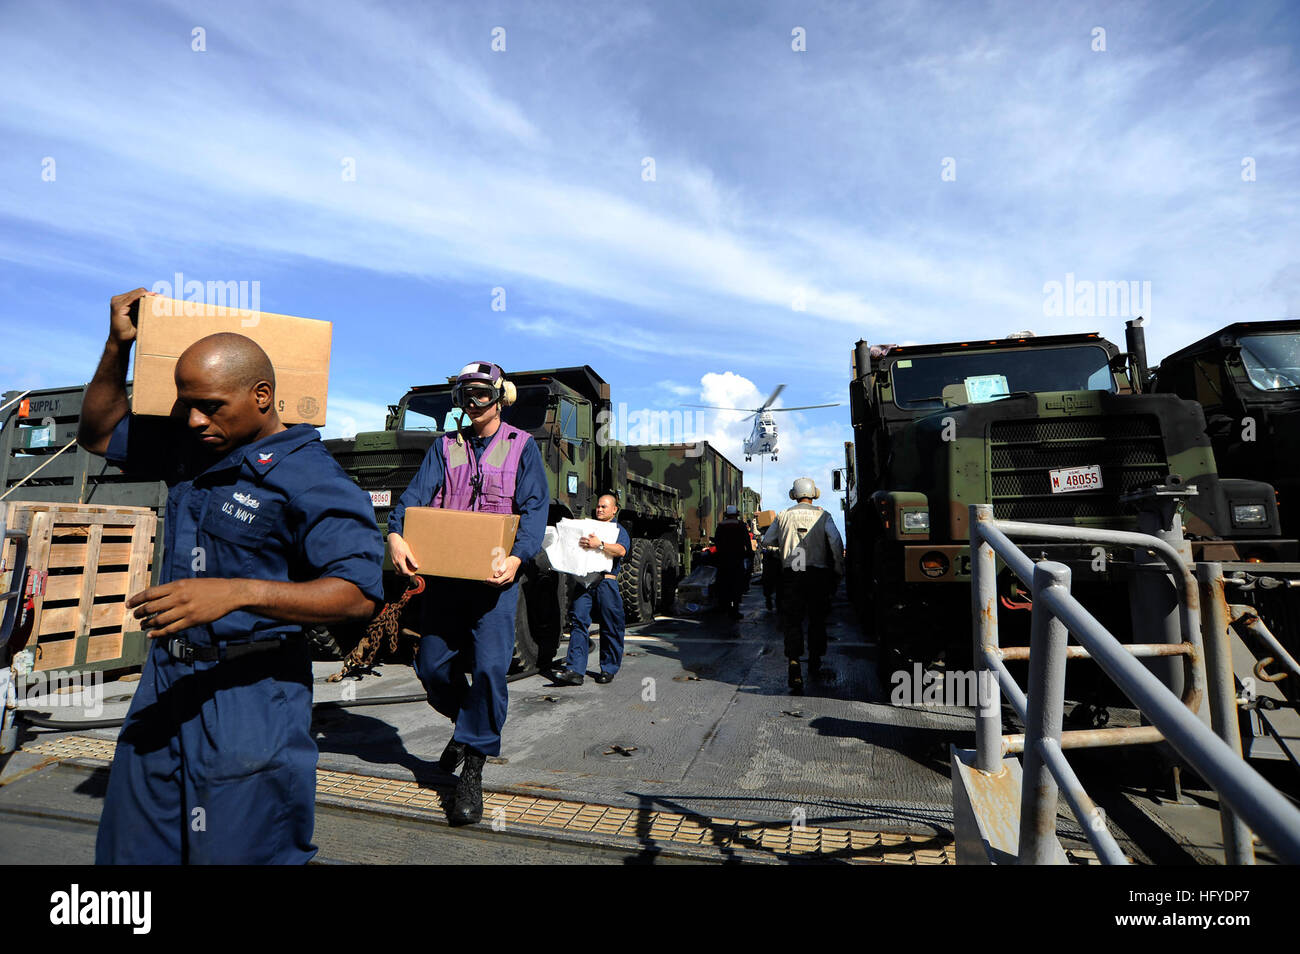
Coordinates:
(566, 556)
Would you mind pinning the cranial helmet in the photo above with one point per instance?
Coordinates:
(482, 384)
(804, 487)
(731, 511)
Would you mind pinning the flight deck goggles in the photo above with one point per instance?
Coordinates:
(474, 395)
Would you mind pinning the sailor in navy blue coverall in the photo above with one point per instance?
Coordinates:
(466, 619)
(468, 627)
(264, 533)
(604, 598)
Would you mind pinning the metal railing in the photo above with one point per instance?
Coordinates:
(1248, 618)
(1251, 801)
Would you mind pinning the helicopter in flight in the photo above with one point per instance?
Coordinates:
(762, 439)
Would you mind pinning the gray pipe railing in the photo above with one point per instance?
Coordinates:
(1058, 615)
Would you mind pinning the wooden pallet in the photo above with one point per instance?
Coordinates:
(87, 559)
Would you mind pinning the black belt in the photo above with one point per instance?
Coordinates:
(182, 650)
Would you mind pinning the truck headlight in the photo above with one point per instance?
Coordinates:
(1249, 515)
(916, 520)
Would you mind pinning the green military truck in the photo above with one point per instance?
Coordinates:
(567, 411)
(1246, 377)
(41, 460)
(1046, 429)
(706, 481)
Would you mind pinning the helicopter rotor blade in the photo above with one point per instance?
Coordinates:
(772, 397)
(715, 407)
(802, 407)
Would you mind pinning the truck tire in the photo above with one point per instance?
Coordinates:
(524, 660)
(559, 589)
(887, 616)
(669, 571)
(637, 573)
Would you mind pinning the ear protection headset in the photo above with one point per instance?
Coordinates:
(485, 379)
(483, 376)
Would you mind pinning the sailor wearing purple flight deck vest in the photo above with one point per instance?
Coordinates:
(468, 626)
(486, 485)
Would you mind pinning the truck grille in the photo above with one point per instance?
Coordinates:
(377, 460)
(1128, 448)
(381, 470)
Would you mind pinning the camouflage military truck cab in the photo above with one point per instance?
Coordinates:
(707, 482)
(1246, 377)
(564, 409)
(1047, 429)
(750, 505)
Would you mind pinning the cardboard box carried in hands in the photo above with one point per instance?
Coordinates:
(458, 544)
(299, 349)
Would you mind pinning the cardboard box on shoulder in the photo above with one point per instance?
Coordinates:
(299, 349)
(765, 518)
(458, 544)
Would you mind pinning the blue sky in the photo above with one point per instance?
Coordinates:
(779, 175)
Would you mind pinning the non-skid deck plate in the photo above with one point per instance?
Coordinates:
(636, 827)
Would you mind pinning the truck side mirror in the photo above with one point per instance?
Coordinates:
(837, 480)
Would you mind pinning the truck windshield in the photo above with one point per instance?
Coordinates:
(1272, 361)
(432, 411)
(983, 376)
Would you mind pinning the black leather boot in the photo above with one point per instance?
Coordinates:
(795, 678)
(567, 677)
(467, 804)
(452, 756)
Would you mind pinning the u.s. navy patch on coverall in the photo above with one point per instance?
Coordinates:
(216, 763)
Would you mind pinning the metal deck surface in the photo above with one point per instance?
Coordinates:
(697, 746)
(700, 721)
(695, 752)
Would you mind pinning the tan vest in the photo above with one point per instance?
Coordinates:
(802, 528)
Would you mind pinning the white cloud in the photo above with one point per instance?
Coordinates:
(807, 446)
(543, 326)
(775, 172)
(347, 416)
(676, 389)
